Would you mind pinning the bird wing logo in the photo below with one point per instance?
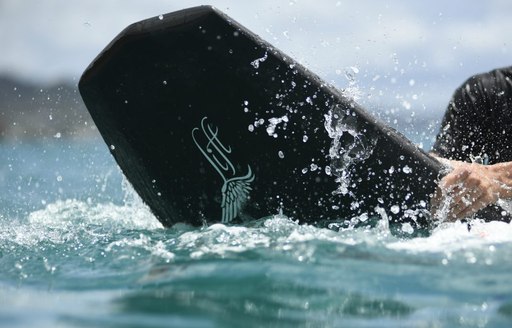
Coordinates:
(236, 188)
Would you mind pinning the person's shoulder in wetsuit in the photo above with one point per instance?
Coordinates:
(476, 130)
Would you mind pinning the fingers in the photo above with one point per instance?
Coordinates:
(466, 195)
(467, 204)
(473, 207)
(451, 185)
(466, 188)
(436, 199)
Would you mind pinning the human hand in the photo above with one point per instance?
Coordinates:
(469, 188)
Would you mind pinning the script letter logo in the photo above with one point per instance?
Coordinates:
(235, 189)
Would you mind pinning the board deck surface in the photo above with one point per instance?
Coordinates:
(211, 123)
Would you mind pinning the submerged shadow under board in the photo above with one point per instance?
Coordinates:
(210, 122)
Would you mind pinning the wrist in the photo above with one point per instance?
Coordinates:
(502, 175)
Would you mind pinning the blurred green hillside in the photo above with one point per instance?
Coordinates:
(35, 112)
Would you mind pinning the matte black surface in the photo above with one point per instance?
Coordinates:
(158, 80)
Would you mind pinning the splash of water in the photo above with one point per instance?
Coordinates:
(348, 146)
(273, 122)
(256, 63)
(352, 91)
(72, 219)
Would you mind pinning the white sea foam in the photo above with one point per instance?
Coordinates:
(282, 233)
(73, 220)
(277, 232)
(63, 212)
(450, 237)
(155, 248)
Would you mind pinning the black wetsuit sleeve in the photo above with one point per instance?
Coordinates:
(463, 124)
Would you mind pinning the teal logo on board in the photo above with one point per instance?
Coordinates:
(235, 189)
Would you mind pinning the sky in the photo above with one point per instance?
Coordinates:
(405, 54)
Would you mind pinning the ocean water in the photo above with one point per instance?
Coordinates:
(79, 249)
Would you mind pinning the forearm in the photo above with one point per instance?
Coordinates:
(499, 173)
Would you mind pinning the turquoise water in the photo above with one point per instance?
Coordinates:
(79, 249)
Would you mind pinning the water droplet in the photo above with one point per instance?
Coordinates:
(57, 135)
(395, 209)
(363, 217)
(305, 170)
(59, 178)
(256, 63)
(305, 138)
(354, 205)
(407, 228)
(112, 147)
(313, 167)
(406, 104)
(164, 82)
(281, 154)
(273, 122)
(406, 169)
(160, 17)
(328, 170)
(354, 69)
(251, 127)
